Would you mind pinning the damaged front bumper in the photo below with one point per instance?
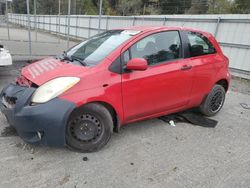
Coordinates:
(35, 124)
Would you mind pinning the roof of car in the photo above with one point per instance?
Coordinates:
(147, 28)
(152, 28)
(144, 27)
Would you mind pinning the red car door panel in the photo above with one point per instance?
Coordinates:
(157, 89)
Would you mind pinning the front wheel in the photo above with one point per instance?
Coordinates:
(89, 128)
(214, 101)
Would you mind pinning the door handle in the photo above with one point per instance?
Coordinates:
(186, 67)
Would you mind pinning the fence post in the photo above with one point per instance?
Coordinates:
(28, 14)
(7, 19)
(44, 23)
(107, 23)
(59, 20)
(57, 27)
(76, 25)
(100, 16)
(50, 23)
(65, 25)
(164, 21)
(89, 27)
(69, 6)
(39, 22)
(35, 24)
(217, 27)
(134, 20)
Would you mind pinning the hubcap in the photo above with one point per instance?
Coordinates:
(216, 101)
(85, 128)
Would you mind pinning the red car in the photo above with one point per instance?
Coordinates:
(115, 78)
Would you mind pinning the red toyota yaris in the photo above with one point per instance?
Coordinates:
(114, 78)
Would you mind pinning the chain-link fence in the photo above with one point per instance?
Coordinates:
(232, 31)
(41, 35)
(26, 39)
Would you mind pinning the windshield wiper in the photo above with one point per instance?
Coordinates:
(73, 58)
(79, 60)
(65, 56)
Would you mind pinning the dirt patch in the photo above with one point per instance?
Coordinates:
(64, 180)
(9, 131)
(240, 85)
(26, 147)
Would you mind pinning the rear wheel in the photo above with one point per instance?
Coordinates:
(89, 128)
(214, 101)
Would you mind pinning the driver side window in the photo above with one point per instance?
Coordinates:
(156, 48)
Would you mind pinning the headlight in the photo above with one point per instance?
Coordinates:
(53, 88)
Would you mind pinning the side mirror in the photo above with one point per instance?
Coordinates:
(138, 64)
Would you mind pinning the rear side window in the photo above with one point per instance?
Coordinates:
(158, 48)
(199, 45)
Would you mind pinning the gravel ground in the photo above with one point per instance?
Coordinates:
(145, 154)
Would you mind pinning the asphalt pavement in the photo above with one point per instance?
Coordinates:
(149, 153)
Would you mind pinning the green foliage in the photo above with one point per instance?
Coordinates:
(129, 7)
(198, 7)
(89, 7)
(137, 7)
(220, 6)
(241, 7)
(47, 7)
(174, 6)
(19, 6)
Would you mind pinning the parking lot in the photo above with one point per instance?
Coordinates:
(42, 43)
(145, 154)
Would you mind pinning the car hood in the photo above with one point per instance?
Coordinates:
(49, 68)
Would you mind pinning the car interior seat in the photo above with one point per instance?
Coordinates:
(196, 50)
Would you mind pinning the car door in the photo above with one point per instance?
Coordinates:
(203, 59)
(165, 85)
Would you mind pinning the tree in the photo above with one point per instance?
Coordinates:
(129, 7)
(89, 7)
(220, 6)
(47, 7)
(174, 6)
(198, 7)
(241, 7)
(136, 7)
(19, 6)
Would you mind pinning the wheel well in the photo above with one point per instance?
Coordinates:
(223, 83)
(111, 111)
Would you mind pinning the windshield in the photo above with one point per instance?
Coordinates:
(93, 50)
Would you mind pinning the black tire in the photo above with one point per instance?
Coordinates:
(214, 101)
(89, 128)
